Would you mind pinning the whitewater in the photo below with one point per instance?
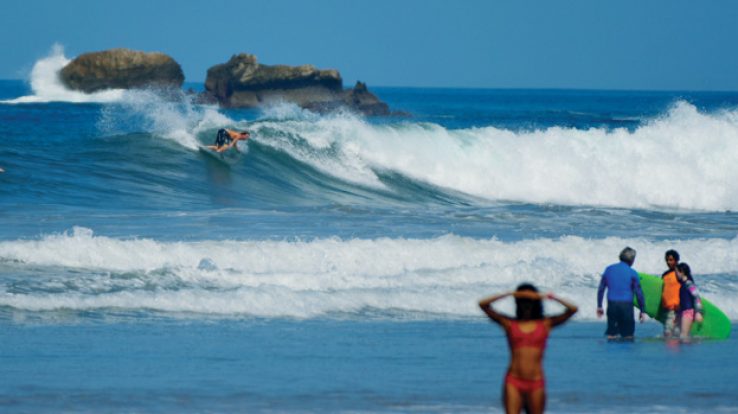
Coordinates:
(326, 277)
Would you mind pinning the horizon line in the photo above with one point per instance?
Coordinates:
(508, 88)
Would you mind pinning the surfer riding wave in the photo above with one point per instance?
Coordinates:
(228, 138)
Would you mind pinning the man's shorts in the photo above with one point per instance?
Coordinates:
(222, 138)
(620, 319)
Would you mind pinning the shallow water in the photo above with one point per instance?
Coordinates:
(282, 365)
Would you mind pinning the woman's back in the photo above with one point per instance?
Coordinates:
(527, 340)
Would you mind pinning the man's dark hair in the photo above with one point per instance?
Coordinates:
(673, 253)
(628, 255)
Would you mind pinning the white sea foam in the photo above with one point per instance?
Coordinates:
(333, 144)
(175, 118)
(441, 276)
(47, 86)
(683, 160)
(281, 110)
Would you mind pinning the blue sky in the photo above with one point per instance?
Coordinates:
(590, 44)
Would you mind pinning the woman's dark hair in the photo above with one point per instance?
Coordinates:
(685, 270)
(673, 253)
(527, 309)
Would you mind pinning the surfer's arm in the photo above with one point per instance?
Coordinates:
(234, 144)
(486, 306)
(570, 310)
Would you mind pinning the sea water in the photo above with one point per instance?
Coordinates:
(337, 267)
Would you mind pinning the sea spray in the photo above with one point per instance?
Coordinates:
(48, 87)
(172, 116)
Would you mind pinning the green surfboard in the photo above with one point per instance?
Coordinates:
(715, 325)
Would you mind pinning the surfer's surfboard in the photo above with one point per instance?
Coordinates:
(228, 157)
(715, 324)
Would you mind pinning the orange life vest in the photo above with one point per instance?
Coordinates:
(670, 292)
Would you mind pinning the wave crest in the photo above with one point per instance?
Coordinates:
(683, 160)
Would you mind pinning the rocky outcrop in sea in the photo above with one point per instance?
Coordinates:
(243, 82)
(121, 69)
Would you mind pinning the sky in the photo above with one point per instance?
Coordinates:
(582, 44)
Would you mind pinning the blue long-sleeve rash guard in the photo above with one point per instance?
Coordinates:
(621, 281)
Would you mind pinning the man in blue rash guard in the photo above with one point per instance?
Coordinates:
(621, 282)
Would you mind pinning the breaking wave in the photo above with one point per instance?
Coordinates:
(434, 278)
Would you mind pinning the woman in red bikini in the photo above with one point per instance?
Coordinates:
(524, 385)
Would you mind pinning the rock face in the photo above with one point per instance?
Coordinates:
(121, 68)
(365, 101)
(243, 82)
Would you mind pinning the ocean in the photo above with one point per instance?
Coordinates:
(337, 264)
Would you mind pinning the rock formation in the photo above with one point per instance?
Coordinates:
(360, 98)
(240, 82)
(121, 68)
(243, 82)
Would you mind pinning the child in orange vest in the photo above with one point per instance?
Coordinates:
(670, 295)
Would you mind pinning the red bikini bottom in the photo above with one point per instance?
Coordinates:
(524, 385)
